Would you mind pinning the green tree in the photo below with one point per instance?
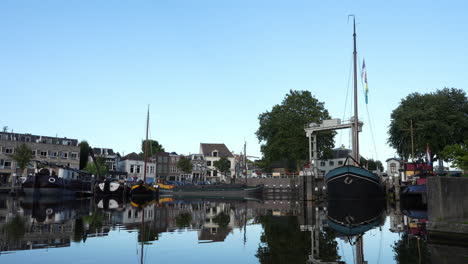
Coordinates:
(223, 165)
(282, 241)
(282, 133)
(185, 165)
(439, 119)
(100, 165)
(222, 219)
(457, 154)
(183, 220)
(22, 157)
(153, 147)
(84, 153)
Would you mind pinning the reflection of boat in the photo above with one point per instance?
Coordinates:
(50, 182)
(110, 204)
(142, 190)
(112, 188)
(216, 190)
(61, 210)
(354, 217)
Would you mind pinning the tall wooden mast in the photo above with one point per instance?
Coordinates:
(146, 147)
(356, 125)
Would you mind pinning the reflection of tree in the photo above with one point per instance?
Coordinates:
(15, 229)
(95, 221)
(328, 247)
(282, 241)
(222, 219)
(148, 234)
(78, 233)
(407, 250)
(183, 219)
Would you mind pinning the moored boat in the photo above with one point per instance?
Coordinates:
(352, 181)
(50, 182)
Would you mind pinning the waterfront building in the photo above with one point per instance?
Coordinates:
(212, 153)
(111, 161)
(162, 165)
(199, 169)
(338, 159)
(58, 150)
(133, 165)
(174, 172)
(394, 165)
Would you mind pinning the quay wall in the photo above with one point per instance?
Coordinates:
(447, 198)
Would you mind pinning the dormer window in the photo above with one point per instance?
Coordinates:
(215, 153)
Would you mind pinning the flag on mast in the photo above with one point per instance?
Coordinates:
(428, 155)
(364, 78)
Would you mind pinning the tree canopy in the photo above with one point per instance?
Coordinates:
(22, 156)
(184, 165)
(153, 147)
(84, 153)
(223, 165)
(100, 165)
(457, 154)
(282, 134)
(439, 119)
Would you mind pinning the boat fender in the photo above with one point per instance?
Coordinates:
(348, 180)
(51, 180)
(49, 211)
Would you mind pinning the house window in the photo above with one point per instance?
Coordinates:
(340, 162)
(208, 173)
(64, 155)
(43, 154)
(138, 169)
(393, 168)
(33, 153)
(53, 154)
(215, 173)
(7, 164)
(132, 168)
(208, 163)
(215, 153)
(322, 164)
(74, 156)
(331, 163)
(8, 150)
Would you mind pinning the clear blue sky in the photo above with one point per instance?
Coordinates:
(88, 69)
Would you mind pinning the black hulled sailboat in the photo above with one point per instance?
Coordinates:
(353, 181)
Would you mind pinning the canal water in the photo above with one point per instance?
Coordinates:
(202, 231)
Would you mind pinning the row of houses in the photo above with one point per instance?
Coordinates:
(163, 165)
(59, 150)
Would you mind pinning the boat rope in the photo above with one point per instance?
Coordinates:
(369, 117)
(346, 102)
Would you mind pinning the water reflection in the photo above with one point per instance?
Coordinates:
(192, 230)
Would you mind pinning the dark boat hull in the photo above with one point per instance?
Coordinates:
(54, 186)
(350, 182)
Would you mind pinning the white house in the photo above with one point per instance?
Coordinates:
(393, 166)
(133, 164)
(338, 160)
(212, 153)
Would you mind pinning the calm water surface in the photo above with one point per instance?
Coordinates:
(198, 231)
